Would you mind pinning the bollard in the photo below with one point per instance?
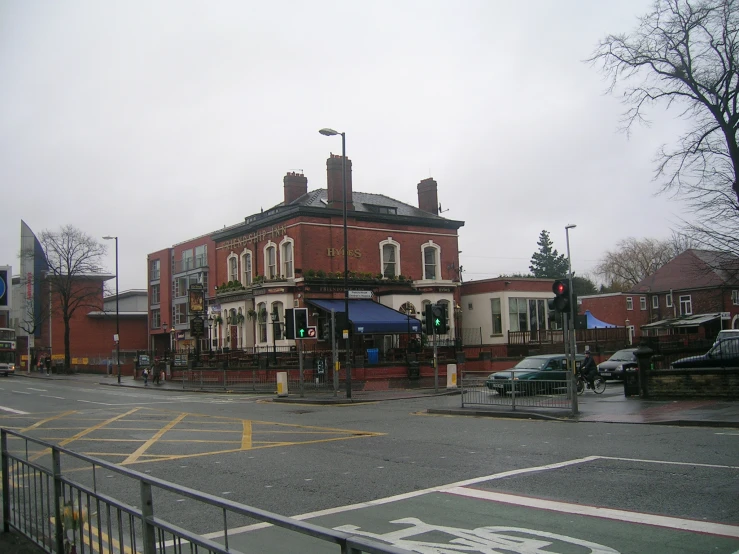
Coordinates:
(282, 383)
(451, 376)
(644, 358)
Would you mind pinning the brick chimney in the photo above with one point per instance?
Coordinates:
(335, 186)
(296, 185)
(428, 201)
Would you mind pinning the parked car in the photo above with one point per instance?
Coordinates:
(614, 367)
(7, 368)
(533, 374)
(724, 354)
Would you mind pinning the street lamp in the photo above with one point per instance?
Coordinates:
(117, 321)
(164, 326)
(210, 337)
(330, 133)
(573, 340)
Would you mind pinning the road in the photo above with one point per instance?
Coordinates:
(391, 471)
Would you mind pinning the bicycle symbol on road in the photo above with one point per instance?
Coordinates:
(485, 540)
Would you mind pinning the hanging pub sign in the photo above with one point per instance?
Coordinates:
(197, 326)
(196, 298)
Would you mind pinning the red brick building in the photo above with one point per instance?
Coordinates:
(291, 256)
(622, 309)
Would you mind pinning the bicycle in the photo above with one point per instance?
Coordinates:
(599, 384)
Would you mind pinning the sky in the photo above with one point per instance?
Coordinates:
(163, 121)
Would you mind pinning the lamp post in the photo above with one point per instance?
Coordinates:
(330, 133)
(117, 320)
(210, 338)
(164, 326)
(573, 341)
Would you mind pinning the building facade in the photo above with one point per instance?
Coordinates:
(399, 257)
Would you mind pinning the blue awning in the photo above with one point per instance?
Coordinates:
(370, 317)
(595, 323)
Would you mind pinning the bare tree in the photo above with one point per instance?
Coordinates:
(74, 260)
(684, 54)
(634, 260)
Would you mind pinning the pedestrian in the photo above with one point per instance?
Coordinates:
(109, 367)
(145, 375)
(47, 362)
(155, 374)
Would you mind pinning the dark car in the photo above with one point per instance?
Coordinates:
(614, 367)
(724, 354)
(534, 374)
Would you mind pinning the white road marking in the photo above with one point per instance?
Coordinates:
(11, 410)
(20, 392)
(605, 513)
(397, 497)
(37, 390)
(49, 396)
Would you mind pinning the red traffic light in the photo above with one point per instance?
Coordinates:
(559, 288)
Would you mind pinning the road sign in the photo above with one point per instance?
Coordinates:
(312, 332)
(360, 294)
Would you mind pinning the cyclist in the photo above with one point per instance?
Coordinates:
(589, 370)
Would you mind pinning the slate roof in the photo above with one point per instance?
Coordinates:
(362, 200)
(693, 269)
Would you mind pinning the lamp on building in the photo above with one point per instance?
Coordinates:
(172, 340)
(330, 133)
(117, 320)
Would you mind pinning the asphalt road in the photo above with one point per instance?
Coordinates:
(398, 474)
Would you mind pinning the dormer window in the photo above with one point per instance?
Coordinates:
(375, 208)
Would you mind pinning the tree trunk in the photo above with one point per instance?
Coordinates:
(67, 357)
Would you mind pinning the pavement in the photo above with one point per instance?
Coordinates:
(611, 407)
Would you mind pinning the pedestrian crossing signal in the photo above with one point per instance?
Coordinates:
(301, 323)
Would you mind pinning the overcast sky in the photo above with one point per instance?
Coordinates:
(162, 121)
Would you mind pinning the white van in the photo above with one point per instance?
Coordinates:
(726, 333)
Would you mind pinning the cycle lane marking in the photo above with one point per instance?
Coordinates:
(681, 524)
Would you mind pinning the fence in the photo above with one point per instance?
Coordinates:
(256, 380)
(62, 515)
(515, 393)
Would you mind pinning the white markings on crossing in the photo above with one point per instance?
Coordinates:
(12, 411)
(595, 511)
(37, 390)
(49, 396)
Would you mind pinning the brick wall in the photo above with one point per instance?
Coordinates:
(693, 383)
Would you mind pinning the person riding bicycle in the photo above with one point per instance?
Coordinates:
(589, 370)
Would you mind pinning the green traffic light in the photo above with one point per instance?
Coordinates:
(302, 332)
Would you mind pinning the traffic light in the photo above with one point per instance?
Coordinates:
(289, 324)
(561, 296)
(301, 323)
(439, 319)
(428, 317)
(552, 310)
(341, 324)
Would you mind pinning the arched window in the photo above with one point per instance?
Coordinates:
(262, 321)
(270, 260)
(286, 258)
(246, 268)
(408, 309)
(390, 258)
(431, 261)
(233, 268)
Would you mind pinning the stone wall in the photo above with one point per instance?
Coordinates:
(693, 383)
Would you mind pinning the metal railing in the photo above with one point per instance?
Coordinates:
(514, 393)
(62, 515)
(256, 380)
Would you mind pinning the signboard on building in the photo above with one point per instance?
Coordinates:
(725, 315)
(4, 288)
(196, 298)
(197, 326)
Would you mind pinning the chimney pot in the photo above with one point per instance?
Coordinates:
(428, 199)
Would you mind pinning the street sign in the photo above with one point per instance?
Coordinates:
(360, 294)
(725, 315)
(312, 332)
(197, 326)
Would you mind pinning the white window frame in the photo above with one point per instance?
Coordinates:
(232, 272)
(655, 302)
(180, 313)
(437, 260)
(262, 323)
(668, 300)
(280, 309)
(643, 302)
(247, 269)
(687, 302)
(389, 241)
(493, 315)
(155, 270)
(629, 303)
(735, 297)
(267, 266)
(156, 318)
(285, 271)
